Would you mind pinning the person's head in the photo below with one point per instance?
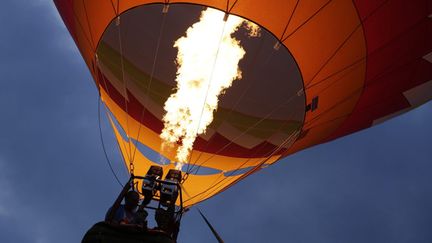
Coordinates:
(131, 200)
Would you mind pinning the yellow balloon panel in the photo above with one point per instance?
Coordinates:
(196, 188)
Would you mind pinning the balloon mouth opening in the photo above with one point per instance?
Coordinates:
(258, 114)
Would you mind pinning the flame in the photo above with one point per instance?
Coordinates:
(253, 29)
(207, 62)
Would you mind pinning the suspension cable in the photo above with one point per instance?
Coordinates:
(289, 139)
(155, 58)
(107, 160)
(250, 66)
(251, 127)
(208, 88)
(309, 82)
(125, 93)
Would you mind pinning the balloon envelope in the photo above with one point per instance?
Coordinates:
(318, 71)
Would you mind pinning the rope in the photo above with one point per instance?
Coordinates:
(345, 99)
(250, 66)
(215, 233)
(199, 166)
(208, 88)
(289, 139)
(131, 165)
(308, 84)
(88, 25)
(149, 84)
(251, 127)
(289, 20)
(103, 143)
(256, 151)
(307, 20)
(342, 45)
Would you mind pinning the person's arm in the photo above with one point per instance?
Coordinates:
(112, 211)
(117, 216)
(108, 213)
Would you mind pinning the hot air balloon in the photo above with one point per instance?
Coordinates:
(316, 71)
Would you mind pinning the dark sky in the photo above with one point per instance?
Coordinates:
(373, 186)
